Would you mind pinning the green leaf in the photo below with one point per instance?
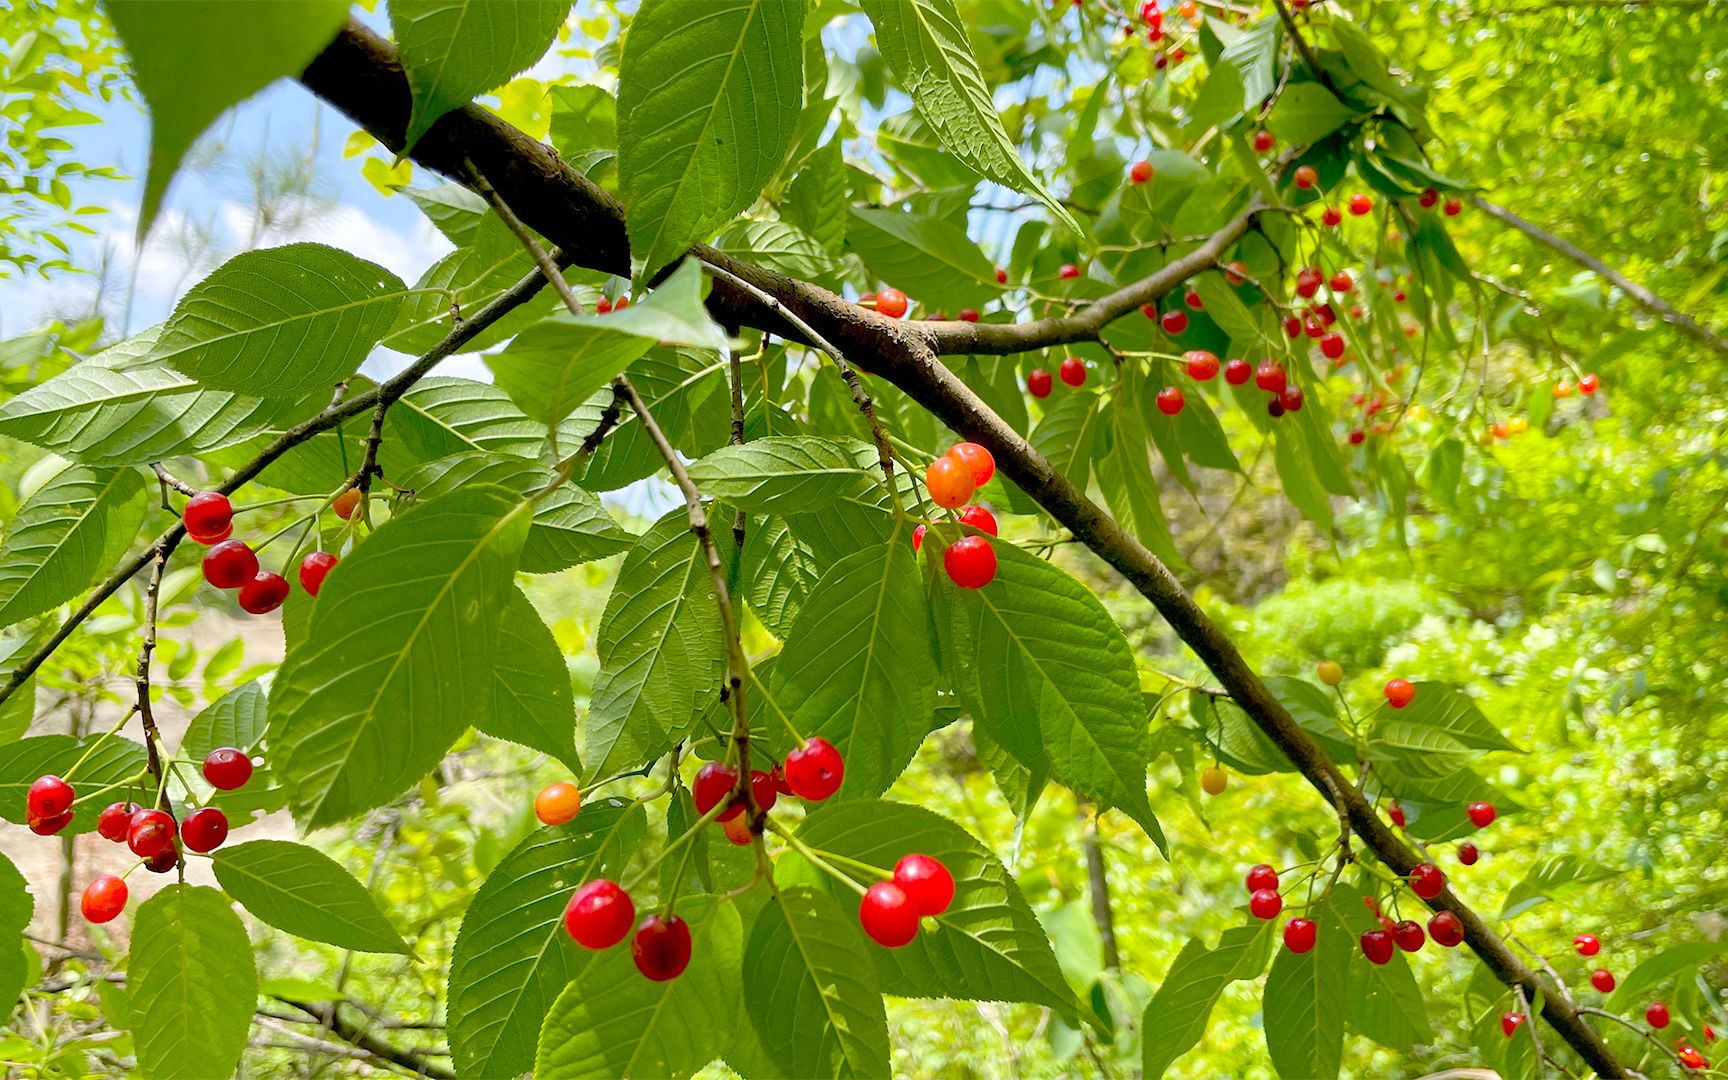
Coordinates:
(1552, 873)
(811, 990)
(453, 50)
(612, 1022)
(859, 668)
(988, 945)
(72, 528)
(778, 246)
(532, 701)
(929, 258)
(1125, 475)
(443, 415)
(1254, 56)
(819, 187)
(114, 761)
(193, 59)
(1175, 1019)
(1066, 433)
(706, 111)
(452, 209)
(399, 652)
(512, 956)
(280, 322)
(782, 474)
(239, 719)
(1385, 1003)
(307, 893)
(1658, 969)
(659, 647)
(1446, 468)
(1306, 1001)
(1053, 679)
(1443, 708)
(1306, 113)
(780, 571)
(191, 984)
(469, 279)
(925, 44)
(16, 908)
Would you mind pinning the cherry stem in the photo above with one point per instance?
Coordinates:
(671, 845)
(101, 791)
(809, 853)
(94, 746)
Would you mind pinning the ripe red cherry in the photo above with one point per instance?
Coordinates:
(715, 783)
(1409, 936)
(1481, 814)
(1377, 946)
(1509, 1022)
(1357, 437)
(1445, 929)
(48, 826)
(977, 459)
(314, 568)
(777, 777)
(1588, 384)
(1691, 1058)
(891, 302)
(1202, 365)
(621, 303)
(208, 514)
(1270, 377)
(1265, 904)
(1308, 281)
(114, 822)
(1341, 282)
(1330, 217)
(1428, 198)
(1275, 407)
(1467, 853)
(979, 518)
(1426, 881)
(1291, 399)
(264, 593)
(1238, 371)
(599, 914)
(1657, 1015)
(163, 861)
(762, 790)
(1039, 383)
(888, 915)
(1263, 141)
(970, 562)
(1587, 945)
(603, 306)
(815, 770)
(1068, 271)
(918, 536)
(1306, 177)
(968, 314)
(1140, 172)
(1299, 935)
(1192, 299)
(1261, 876)
(1292, 327)
(104, 899)
(1174, 321)
(204, 830)
(1399, 693)
(1072, 371)
(949, 481)
(1396, 813)
(1360, 204)
(1602, 979)
(1169, 401)
(1314, 326)
(1332, 346)
(926, 883)
(1001, 276)
(227, 768)
(230, 564)
(150, 833)
(48, 797)
(1453, 206)
(661, 947)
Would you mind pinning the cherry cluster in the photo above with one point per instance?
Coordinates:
(951, 480)
(232, 564)
(1071, 371)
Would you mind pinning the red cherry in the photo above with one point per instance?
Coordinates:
(979, 518)
(1428, 198)
(599, 915)
(970, 562)
(1467, 853)
(661, 947)
(150, 833)
(1602, 979)
(1275, 407)
(1445, 929)
(1261, 876)
(1140, 172)
(1202, 365)
(1357, 436)
(603, 306)
(1308, 281)
(1159, 61)
(1178, 55)
(1236, 272)
(1709, 1033)
(888, 915)
(1588, 384)
(1330, 217)
(1299, 935)
(1587, 945)
(1306, 177)
(1072, 371)
(264, 593)
(1691, 1058)
(48, 826)
(1657, 1015)
(1169, 401)
(1327, 315)
(1068, 271)
(777, 776)
(1263, 141)
(1292, 327)
(1409, 936)
(204, 830)
(1509, 1022)
(891, 302)
(1174, 321)
(1314, 326)
(926, 882)
(1377, 946)
(313, 570)
(1270, 377)
(208, 513)
(1039, 383)
(714, 784)
(1399, 693)
(230, 564)
(104, 899)
(1291, 399)
(1265, 904)
(1453, 206)
(1238, 371)
(1001, 276)
(968, 314)
(1481, 814)
(1426, 881)
(1341, 282)
(1332, 346)
(918, 537)
(1192, 299)
(114, 822)
(978, 459)
(227, 768)
(762, 789)
(48, 797)
(949, 481)
(1360, 204)
(1396, 813)
(815, 770)
(163, 861)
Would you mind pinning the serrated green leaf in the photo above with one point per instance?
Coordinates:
(610, 1021)
(783, 474)
(1550, 875)
(239, 719)
(780, 570)
(454, 50)
(468, 279)
(398, 656)
(1443, 708)
(1306, 1002)
(1306, 113)
(811, 990)
(191, 984)
(1066, 433)
(443, 415)
(1175, 1019)
(1130, 489)
(452, 209)
(16, 908)
(1385, 1003)
(532, 701)
(707, 104)
(305, 892)
(512, 956)
(780, 246)
(72, 528)
(928, 258)
(112, 762)
(819, 187)
(1254, 55)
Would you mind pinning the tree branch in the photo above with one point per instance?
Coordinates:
(329, 1014)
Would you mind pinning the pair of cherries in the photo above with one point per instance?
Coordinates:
(601, 913)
